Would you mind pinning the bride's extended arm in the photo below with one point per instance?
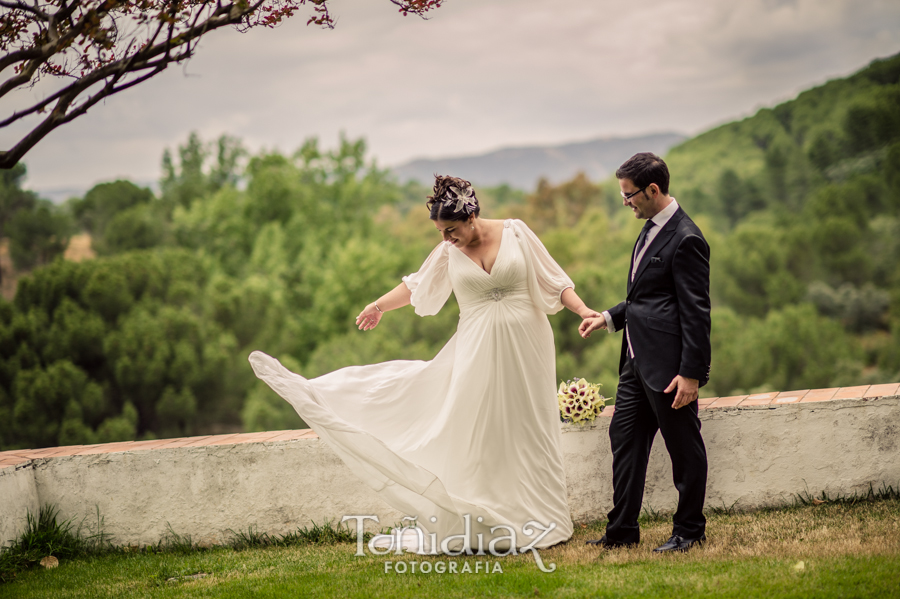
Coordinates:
(571, 301)
(371, 315)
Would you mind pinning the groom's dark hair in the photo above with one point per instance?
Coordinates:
(645, 168)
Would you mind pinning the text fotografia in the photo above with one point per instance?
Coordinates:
(478, 567)
(454, 545)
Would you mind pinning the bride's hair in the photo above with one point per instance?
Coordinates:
(453, 199)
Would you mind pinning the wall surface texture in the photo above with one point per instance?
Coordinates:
(762, 451)
(758, 456)
(18, 498)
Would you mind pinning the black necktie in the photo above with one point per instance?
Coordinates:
(642, 238)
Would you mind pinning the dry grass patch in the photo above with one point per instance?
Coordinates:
(827, 530)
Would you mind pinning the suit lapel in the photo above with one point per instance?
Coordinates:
(658, 243)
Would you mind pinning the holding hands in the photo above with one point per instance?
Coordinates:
(591, 324)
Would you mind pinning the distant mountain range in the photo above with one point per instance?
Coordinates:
(58, 195)
(522, 167)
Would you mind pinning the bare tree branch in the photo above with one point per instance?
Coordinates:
(27, 8)
(118, 44)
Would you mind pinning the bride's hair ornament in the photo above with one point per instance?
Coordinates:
(453, 194)
(461, 199)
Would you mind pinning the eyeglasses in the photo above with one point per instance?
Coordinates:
(628, 196)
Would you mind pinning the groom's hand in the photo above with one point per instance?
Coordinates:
(688, 390)
(589, 325)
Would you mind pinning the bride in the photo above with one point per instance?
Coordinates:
(468, 443)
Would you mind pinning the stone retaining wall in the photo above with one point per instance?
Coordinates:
(762, 449)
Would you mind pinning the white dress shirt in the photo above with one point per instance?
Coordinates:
(660, 220)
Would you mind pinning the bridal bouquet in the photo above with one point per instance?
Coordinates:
(579, 401)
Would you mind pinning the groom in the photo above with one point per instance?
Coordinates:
(665, 357)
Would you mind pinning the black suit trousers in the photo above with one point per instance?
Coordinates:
(639, 413)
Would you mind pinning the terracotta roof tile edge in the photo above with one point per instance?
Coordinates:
(801, 397)
(128, 446)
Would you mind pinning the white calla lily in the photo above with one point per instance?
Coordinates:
(579, 401)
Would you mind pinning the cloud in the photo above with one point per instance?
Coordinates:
(476, 76)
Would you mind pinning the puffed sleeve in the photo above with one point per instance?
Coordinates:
(546, 279)
(430, 286)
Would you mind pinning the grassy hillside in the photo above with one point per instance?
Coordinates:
(804, 200)
(779, 155)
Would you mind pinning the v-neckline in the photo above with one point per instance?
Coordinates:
(496, 258)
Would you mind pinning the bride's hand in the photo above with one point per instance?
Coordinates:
(588, 313)
(369, 318)
(589, 325)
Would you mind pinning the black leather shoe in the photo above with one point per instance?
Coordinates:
(676, 543)
(605, 543)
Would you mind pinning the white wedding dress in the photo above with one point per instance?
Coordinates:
(476, 430)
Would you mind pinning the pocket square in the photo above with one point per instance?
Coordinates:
(655, 260)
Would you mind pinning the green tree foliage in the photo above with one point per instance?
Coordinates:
(120, 216)
(193, 176)
(561, 205)
(826, 134)
(800, 206)
(12, 197)
(278, 256)
(792, 348)
(39, 235)
(860, 309)
(759, 268)
(37, 230)
(105, 201)
(114, 349)
(815, 220)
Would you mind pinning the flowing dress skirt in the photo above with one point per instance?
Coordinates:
(468, 439)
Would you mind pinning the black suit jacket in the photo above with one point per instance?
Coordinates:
(667, 306)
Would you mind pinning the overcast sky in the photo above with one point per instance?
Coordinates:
(476, 76)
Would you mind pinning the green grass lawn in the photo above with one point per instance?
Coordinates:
(828, 550)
